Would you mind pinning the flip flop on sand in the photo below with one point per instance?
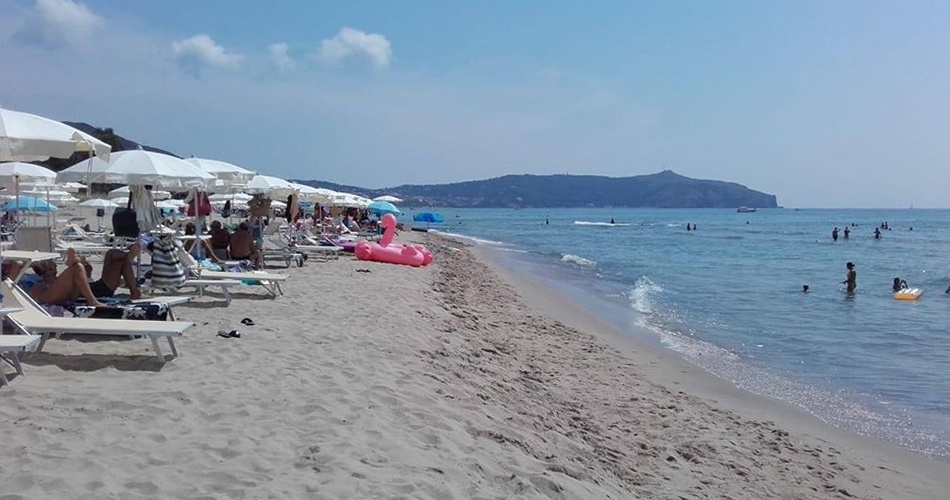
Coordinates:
(247, 322)
(233, 334)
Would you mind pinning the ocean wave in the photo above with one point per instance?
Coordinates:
(473, 239)
(603, 224)
(642, 295)
(578, 260)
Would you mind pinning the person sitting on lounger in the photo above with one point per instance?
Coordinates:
(220, 240)
(117, 266)
(242, 244)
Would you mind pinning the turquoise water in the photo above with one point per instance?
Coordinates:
(728, 297)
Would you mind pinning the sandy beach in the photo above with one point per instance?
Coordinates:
(459, 380)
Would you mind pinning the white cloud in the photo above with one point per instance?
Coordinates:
(56, 23)
(355, 43)
(201, 50)
(280, 58)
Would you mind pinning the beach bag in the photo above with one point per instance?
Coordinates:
(168, 272)
(125, 222)
(200, 204)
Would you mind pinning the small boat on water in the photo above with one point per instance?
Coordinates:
(746, 210)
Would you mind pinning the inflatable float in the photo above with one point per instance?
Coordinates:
(392, 253)
(908, 294)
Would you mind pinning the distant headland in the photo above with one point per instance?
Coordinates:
(665, 189)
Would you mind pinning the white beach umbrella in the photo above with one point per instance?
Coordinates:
(349, 200)
(123, 201)
(28, 137)
(26, 172)
(99, 203)
(119, 192)
(225, 197)
(271, 186)
(222, 170)
(139, 167)
(390, 199)
(313, 194)
(72, 187)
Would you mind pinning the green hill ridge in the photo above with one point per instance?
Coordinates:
(665, 189)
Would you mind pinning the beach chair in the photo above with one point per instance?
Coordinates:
(269, 281)
(12, 349)
(33, 319)
(276, 248)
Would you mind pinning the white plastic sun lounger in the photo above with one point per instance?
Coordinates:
(269, 281)
(33, 319)
(12, 348)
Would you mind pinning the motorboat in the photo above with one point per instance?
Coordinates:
(746, 210)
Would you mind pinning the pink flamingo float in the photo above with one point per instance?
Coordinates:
(393, 253)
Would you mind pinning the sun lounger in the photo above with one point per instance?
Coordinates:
(275, 248)
(12, 348)
(34, 319)
(269, 281)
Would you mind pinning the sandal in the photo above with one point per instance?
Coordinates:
(247, 322)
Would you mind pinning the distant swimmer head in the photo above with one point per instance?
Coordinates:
(804, 288)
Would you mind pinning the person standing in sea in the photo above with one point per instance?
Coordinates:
(834, 234)
(852, 279)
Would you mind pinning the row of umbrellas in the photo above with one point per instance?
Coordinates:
(25, 137)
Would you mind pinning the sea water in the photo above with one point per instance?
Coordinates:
(728, 297)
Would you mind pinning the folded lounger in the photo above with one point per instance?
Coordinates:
(33, 319)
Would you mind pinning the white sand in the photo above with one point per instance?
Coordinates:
(453, 381)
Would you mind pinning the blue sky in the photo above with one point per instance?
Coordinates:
(825, 104)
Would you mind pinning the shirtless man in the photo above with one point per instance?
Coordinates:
(242, 244)
(116, 266)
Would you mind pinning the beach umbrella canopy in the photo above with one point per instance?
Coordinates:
(29, 204)
(271, 186)
(119, 192)
(383, 207)
(427, 217)
(139, 167)
(311, 193)
(98, 203)
(391, 199)
(349, 200)
(26, 172)
(71, 187)
(225, 197)
(222, 169)
(28, 137)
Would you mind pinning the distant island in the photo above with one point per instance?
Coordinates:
(665, 189)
